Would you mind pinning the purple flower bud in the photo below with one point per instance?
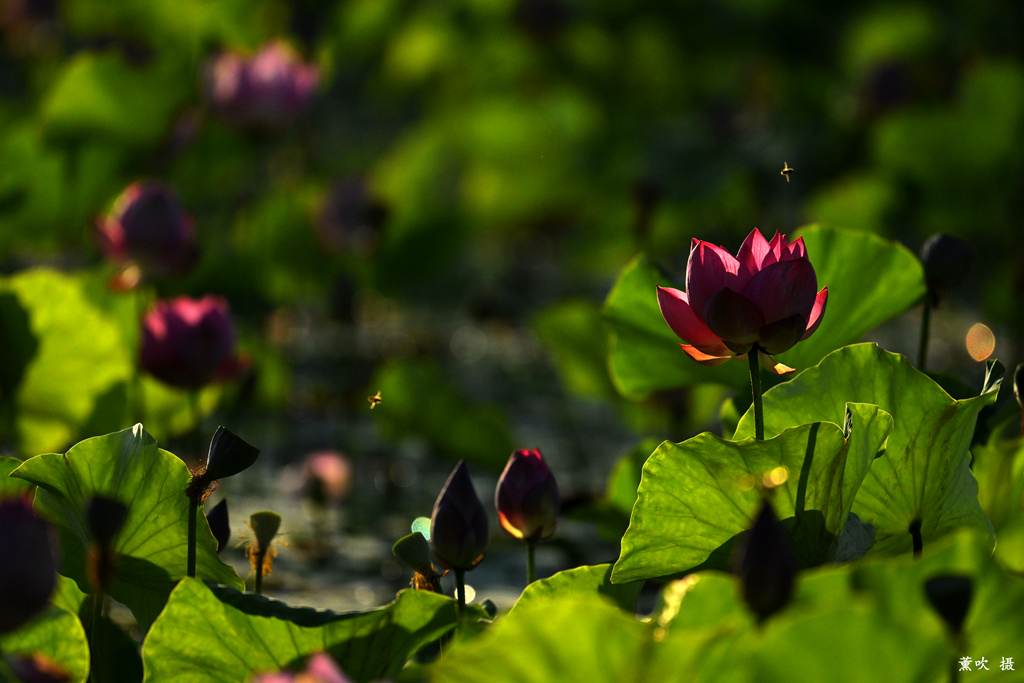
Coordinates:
(951, 597)
(767, 565)
(217, 518)
(265, 91)
(458, 524)
(188, 343)
(149, 228)
(947, 261)
(28, 563)
(527, 497)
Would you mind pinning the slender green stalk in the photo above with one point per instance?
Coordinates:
(755, 388)
(922, 346)
(97, 669)
(460, 592)
(916, 538)
(531, 564)
(260, 555)
(193, 510)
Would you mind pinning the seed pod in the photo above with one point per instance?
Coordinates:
(951, 598)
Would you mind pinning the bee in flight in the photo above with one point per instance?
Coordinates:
(786, 170)
(374, 400)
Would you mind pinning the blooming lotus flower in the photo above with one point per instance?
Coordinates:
(149, 229)
(320, 669)
(763, 298)
(28, 563)
(527, 497)
(267, 90)
(458, 524)
(189, 343)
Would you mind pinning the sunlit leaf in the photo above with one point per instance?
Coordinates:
(581, 581)
(697, 497)
(126, 466)
(924, 473)
(228, 636)
(80, 356)
(56, 634)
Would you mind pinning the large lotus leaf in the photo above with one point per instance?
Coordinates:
(99, 94)
(11, 486)
(81, 354)
(869, 280)
(849, 643)
(127, 466)
(697, 497)
(228, 636)
(585, 638)
(586, 581)
(57, 635)
(925, 473)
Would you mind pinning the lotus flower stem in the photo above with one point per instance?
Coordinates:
(193, 510)
(260, 556)
(922, 347)
(915, 535)
(96, 670)
(755, 387)
(460, 592)
(531, 565)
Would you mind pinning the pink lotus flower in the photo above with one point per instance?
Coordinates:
(762, 299)
(267, 90)
(527, 497)
(149, 228)
(189, 343)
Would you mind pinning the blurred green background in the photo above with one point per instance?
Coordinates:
(508, 159)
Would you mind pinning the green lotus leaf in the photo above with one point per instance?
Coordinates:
(697, 497)
(126, 466)
(924, 474)
(585, 581)
(223, 635)
(56, 634)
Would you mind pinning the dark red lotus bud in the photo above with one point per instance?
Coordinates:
(28, 563)
(951, 598)
(767, 565)
(149, 228)
(188, 343)
(947, 261)
(527, 497)
(229, 454)
(217, 518)
(458, 524)
(1018, 384)
(265, 91)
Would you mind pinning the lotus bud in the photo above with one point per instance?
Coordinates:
(28, 563)
(148, 228)
(767, 565)
(228, 455)
(951, 598)
(527, 497)
(188, 343)
(947, 261)
(458, 524)
(1018, 384)
(319, 669)
(217, 518)
(351, 218)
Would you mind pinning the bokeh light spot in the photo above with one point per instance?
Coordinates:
(980, 342)
(422, 525)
